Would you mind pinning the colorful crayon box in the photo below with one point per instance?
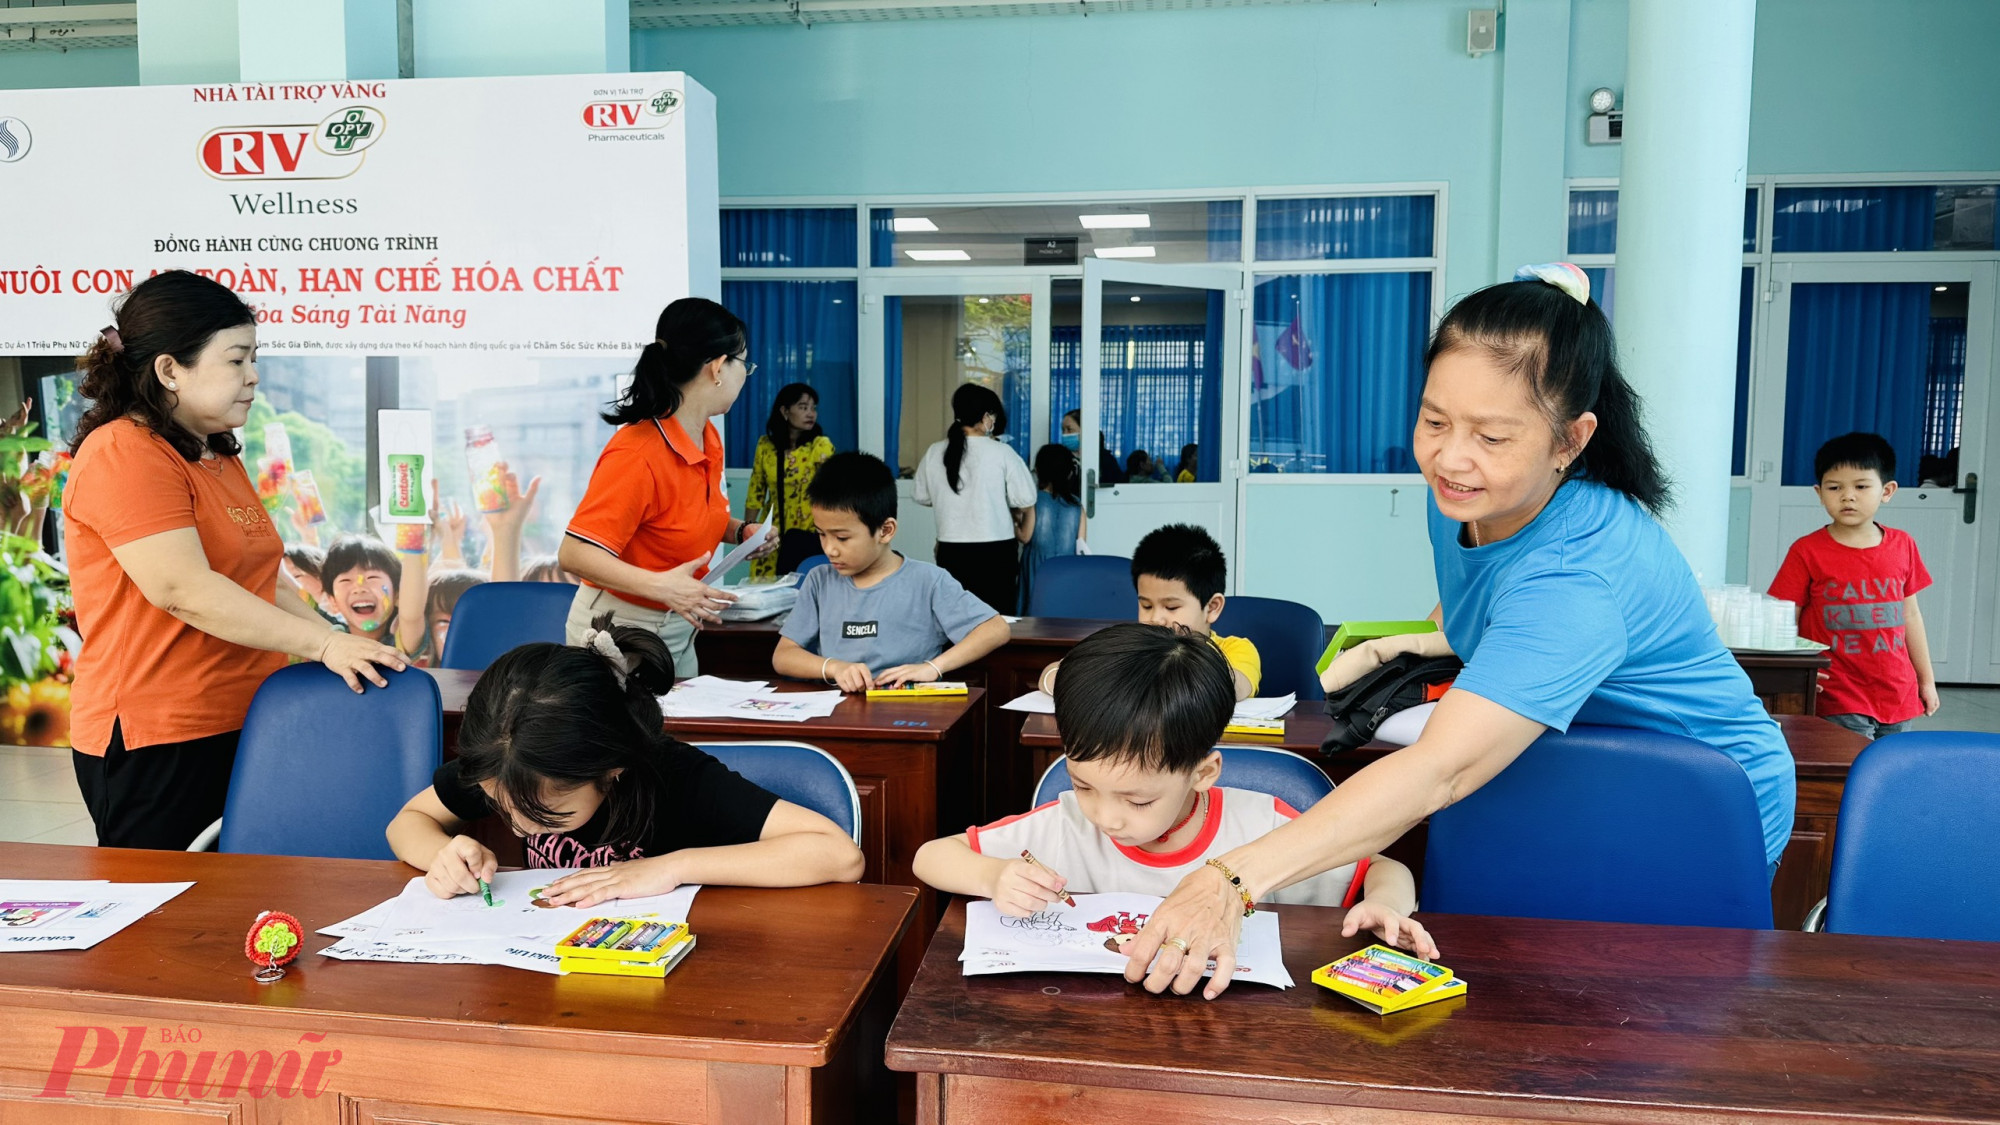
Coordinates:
(636, 940)
(1385, 980)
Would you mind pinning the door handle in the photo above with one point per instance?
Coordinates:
(1090, 494)
(1971, 494)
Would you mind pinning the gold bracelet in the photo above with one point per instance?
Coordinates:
(1249, 908)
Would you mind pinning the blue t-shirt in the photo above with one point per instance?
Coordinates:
(1591, 615)
(907, 618)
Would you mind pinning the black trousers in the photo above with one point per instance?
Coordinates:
(992, 571)
(158, 797)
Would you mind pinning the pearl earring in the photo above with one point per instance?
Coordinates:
(173, 386)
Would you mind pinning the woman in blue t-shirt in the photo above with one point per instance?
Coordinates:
(1564, 596)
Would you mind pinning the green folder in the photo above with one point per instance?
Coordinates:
(1352, 633)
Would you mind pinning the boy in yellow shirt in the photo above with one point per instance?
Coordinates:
(1180, 571)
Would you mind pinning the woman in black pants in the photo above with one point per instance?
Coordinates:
(984, 497)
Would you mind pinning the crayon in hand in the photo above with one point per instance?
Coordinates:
(1063, 895)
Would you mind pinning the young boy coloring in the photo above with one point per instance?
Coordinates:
(870, 617)
(1141, 708)
(1179, 571)
(1856, 583)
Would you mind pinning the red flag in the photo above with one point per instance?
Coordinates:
(1293, 347)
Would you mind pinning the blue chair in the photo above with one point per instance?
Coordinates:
(1281, 773)
(1916, 853)
(494, 618)
(320, 771)
(1090, 586)
(809, 564)
(798, 772)
(1289, 639)
(1606, 824)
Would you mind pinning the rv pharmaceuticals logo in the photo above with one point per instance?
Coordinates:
(15, 139)
(653, 112)
(330, 150)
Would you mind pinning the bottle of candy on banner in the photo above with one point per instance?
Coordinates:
(306, 490)
(482, 459)
(278, 448)
(406, 484)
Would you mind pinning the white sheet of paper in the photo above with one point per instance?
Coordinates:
(1033, 703)
(418, 917)
(707, 697)
(40, 914)
(1074, 939)
(1267, 707)
(1405, 726)
(741, 551)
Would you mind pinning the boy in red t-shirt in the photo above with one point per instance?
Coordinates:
(1855, 583)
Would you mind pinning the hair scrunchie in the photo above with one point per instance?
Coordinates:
(1562, 275)
(602, 643)
(112, 341)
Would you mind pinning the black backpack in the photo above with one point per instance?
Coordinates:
(1360, 707)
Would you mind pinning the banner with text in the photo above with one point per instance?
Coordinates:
(541, 215)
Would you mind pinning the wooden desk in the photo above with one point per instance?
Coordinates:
(1823, 753)
(1788, 683)
(737, 650)
(745, 1030)
(1564, 1022)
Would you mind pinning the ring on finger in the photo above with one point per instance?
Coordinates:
(1179, 943)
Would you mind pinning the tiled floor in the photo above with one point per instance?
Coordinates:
(39, 801)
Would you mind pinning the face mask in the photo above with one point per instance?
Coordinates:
(1072, 442)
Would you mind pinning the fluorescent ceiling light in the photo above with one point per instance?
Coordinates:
(938, 255)
(1097, 222)
(1135, 300)
(915, 223)
(1126, 251)
(1942, 288)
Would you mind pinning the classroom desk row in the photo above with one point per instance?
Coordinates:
(782, 1014)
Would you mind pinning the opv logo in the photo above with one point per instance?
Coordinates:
(330, 150)
(15, 139)
(633, 113)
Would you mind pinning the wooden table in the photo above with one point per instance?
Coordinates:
(1788, 683)
(745, 1030)
(1564, 1022)
(1822, 751)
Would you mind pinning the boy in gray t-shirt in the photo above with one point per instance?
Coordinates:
(870, 617)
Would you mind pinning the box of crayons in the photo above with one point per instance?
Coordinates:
(626, 947)
(923, 690)
(1258, 728)
(1383, 980)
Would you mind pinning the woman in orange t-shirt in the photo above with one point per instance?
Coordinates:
(655, 509)
(174, 567)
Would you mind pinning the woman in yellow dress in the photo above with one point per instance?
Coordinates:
(789, 453)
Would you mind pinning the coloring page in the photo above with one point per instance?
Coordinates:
(1092, 935)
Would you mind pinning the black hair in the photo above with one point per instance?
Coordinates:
(306, 559)
(176, 314)
(1137, 458)
(969, 403)
(855, 482)
(447, 586)
(1857, 451)
(1565, 351)
(779, 430)
(1184, 553)
(1144, 693)
(360, 552)
(1190, 456)
(551, 715)
(546, 568)
(690, 332)
(1056, 473)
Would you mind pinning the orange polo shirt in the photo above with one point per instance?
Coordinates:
(162, 679)
(655, 499)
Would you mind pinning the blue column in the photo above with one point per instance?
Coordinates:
(316, 40)
(471, 38)
(1534, 90)
(1680, 247)
(187, 41)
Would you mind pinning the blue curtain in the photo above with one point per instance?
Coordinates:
(1336, 372)
(1225, 230)
(1381, 226)
(1857, 360)
(1208, 469)
(1944, 385)
(892, 382)
(1162, 388)
(1017, 390)
(787, 238)
(1593, 222)
(1745, 310)
(881, 237)
(800, 332)
(1846, 219)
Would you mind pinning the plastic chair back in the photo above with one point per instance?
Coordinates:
(493, 618)
(1917, 853)
(809, 564)
(321, 771)
(1281, 773)
(798, 772)
(1088, 586)
(1289, 638)
(1606, 824)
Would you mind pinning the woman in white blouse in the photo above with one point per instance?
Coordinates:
(984, 497)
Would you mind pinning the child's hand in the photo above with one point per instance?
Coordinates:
(459, 867)
(1024, 888)
(906, 674)
(634, 879)
(519, 503)
(849, 676)
(1929, 694)
(1391, 927)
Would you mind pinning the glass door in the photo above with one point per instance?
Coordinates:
(921, 338)
(1903, 349)
(1158, 356)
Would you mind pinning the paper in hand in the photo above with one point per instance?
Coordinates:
(721, 566)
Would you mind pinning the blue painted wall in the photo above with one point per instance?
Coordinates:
(48, 70)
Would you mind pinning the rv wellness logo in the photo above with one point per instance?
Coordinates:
(630, 115)
(333, 149)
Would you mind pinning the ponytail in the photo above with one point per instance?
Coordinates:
(970, 403)
(690, 332)
(1563, 347)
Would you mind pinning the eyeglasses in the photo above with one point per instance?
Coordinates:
(749, 368)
